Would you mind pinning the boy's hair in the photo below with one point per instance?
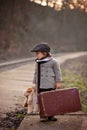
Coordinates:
(47, 54)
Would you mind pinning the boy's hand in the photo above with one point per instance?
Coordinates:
(58, 85)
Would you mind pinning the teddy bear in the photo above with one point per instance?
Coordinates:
(31, 101)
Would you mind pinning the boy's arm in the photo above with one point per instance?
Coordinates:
(58, 76)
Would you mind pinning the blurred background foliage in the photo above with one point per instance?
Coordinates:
(24, 23)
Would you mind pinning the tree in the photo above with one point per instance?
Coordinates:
(63, 4)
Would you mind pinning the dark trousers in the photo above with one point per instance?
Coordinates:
(45, 90)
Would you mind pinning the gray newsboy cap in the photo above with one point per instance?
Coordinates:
(43, 47)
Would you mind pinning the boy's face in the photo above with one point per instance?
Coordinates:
(39, 55)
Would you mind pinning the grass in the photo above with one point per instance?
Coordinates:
(11, 129)
(71, 79)
(19, 115)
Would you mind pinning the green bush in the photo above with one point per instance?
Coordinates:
(71, 79)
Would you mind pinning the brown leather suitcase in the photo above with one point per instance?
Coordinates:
(59, 102)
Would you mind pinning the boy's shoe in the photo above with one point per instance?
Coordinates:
(44, 119)
(51, 118)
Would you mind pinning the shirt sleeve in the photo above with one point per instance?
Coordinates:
(57, 71)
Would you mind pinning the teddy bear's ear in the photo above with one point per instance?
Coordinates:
(29, 90)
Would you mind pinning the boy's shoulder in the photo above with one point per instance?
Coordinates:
(53, 60)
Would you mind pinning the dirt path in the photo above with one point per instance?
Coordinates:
(14, 82)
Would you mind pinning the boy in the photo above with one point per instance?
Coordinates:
(47, 75)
